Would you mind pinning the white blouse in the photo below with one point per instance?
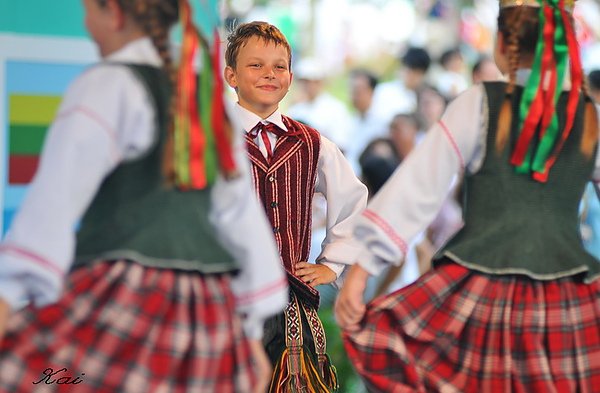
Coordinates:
(413, 195)
(107, 118)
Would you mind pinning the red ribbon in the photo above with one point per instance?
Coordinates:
(576, 83)
(536, 110)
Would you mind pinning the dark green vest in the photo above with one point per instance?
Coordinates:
(135, 216)
(516, 225)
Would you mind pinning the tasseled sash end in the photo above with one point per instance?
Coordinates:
(328, 372)
(296, 373)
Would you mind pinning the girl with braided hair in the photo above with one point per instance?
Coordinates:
(512, 302)
(142, 297)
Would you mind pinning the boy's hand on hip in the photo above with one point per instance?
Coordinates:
(349, 306)
(315, 274)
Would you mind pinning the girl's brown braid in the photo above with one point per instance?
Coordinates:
(156, 17)
(509, 27)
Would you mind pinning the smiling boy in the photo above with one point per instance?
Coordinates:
(290, 163)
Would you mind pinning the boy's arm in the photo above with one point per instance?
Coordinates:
(346, 197)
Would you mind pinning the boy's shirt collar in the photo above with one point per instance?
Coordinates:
(249, 119)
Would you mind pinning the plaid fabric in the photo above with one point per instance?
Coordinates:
(123, 327)
(457, 330)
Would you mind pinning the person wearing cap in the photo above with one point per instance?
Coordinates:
(512, 302)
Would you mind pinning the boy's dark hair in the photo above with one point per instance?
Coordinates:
(362, 72)
(594, 80)
(241, 34)
(416, 59)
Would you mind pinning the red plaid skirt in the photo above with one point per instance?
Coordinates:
(123, 327)
(458, 330)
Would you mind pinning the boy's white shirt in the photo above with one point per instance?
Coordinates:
(97, 128)
(346, 196)
(413, 195)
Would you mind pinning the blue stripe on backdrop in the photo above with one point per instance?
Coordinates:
(39, 78)
(8, 215)
(13, 196)
(34, 79)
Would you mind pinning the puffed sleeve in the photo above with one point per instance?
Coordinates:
(260, 287)
(85, 142)
(414, 194)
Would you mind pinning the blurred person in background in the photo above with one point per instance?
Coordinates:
(485, 70)
(452, 81)
(400, 95)
(430, 107)
(590, 206)
(366, 123)
(403, 131)
(316, 107)
(594, 85)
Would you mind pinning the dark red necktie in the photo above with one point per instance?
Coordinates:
(262, 130)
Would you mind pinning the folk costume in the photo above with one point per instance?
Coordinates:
(290, 162)
(150, 302)
(512, 301)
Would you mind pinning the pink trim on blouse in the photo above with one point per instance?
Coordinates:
(453, 143)
(35, 258)
(380, 222)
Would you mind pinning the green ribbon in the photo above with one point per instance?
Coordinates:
(551, 135)
(532, 87)
(534, 84)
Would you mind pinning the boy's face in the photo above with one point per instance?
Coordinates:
(261, 77)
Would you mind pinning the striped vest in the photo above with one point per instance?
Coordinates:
(285, 186)
(516, 225)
